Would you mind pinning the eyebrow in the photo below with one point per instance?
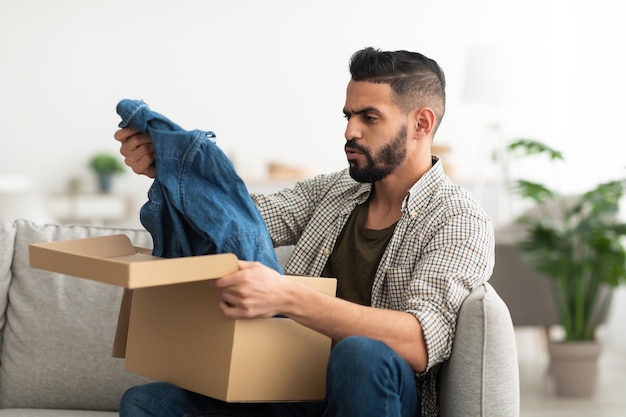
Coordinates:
(360, 111)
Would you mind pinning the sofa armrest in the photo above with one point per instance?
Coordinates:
(7, 244)
(481, 378)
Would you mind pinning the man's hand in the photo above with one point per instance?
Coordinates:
(137, 150)
(255, 290)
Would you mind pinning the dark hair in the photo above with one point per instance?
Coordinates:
(415, 79)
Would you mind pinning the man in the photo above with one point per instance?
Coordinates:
(405, 244)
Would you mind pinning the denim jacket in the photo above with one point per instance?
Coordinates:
(197, 204)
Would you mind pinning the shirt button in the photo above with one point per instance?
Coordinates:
(326, 251)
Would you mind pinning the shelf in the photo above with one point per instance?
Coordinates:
(88, 208)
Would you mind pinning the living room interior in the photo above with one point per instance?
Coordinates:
(269, 79)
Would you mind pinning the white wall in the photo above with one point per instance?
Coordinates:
(269, 77)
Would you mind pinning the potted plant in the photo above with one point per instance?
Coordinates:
(105, 165)
(576, 242)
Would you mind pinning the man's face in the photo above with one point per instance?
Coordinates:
(376, 135)
(376, 167)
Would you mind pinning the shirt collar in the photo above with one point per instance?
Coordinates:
(421, 192)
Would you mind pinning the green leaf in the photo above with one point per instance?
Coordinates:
(105, 163)
(525, 147)
(575, 242)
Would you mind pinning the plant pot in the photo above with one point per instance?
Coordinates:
(574, 367)
(104, 182)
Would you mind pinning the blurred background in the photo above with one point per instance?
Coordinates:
(269, 78)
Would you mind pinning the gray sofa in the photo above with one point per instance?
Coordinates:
(57, 334)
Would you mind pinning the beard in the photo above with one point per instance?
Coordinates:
(381, 165)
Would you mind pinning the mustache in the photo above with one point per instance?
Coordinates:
(352, 143)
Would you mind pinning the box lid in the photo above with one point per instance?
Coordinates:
(114, 260)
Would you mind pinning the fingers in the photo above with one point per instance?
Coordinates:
(232, 302)
(137, 150)
(244, 273)
(254, 290)
(125, 133)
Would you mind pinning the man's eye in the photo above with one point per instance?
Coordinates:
(368, 118)
(347, 116)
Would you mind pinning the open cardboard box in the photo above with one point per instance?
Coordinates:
(171, 328)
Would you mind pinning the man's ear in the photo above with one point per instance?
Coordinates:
(423, 121)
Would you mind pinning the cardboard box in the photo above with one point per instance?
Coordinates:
(171, 328)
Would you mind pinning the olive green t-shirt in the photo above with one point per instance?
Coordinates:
(356, 256)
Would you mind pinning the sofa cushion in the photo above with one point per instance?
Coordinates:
(282, 254)
(481, 378)
(59, 331)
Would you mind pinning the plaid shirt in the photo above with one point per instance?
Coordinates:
(442, 248)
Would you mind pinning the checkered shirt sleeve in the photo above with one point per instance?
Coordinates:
(442, 248)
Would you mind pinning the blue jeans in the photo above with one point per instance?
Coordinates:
(365, 378)
(197, 204)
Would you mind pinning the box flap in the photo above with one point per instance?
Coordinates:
(123, 321)
(325, 285)
(107, 247)
(113, 260)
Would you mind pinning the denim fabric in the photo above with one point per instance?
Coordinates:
(197, 204)
(366, 378)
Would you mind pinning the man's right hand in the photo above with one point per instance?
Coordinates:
(137, 150)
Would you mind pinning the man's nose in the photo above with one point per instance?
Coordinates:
(352, 130)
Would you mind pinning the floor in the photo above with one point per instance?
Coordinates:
(537, 398)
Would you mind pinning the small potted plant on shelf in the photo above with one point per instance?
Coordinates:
(105, 165)
(577, 243)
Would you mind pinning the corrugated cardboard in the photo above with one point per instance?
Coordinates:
(171, 327)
